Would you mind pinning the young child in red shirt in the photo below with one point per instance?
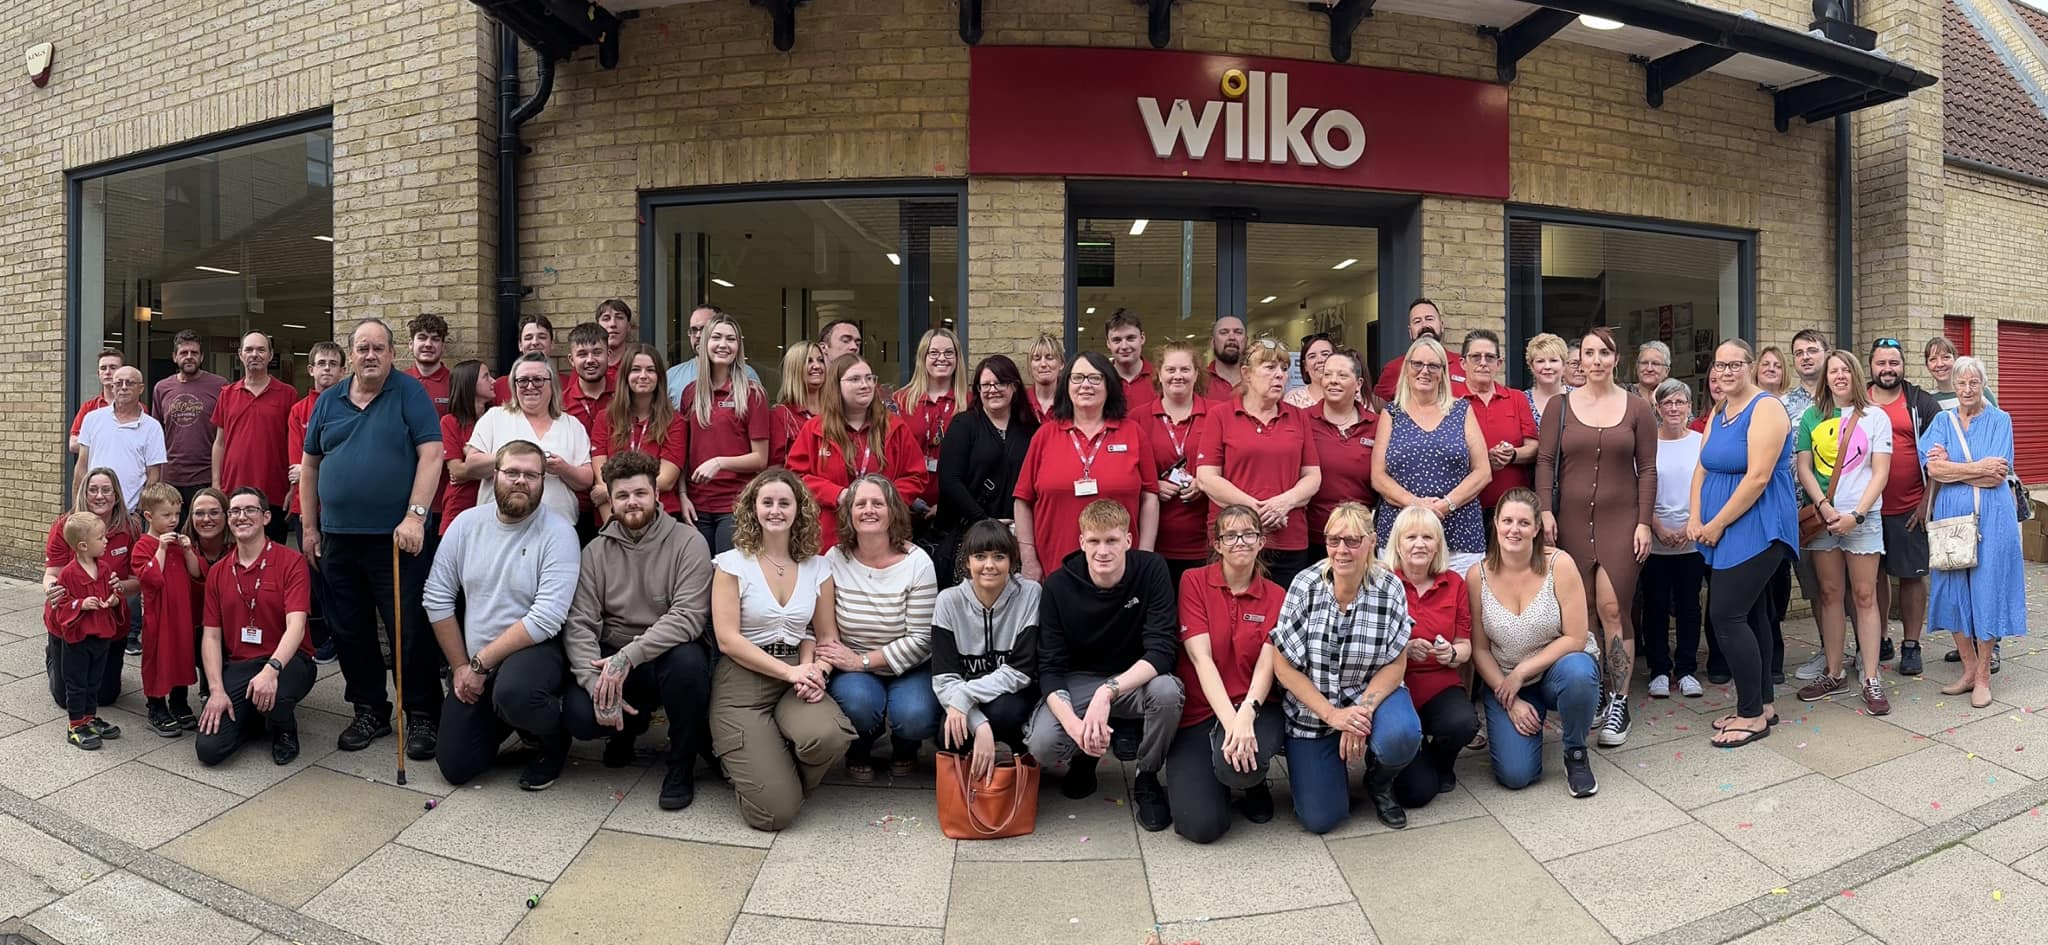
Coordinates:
(86, 621)
(170, 572)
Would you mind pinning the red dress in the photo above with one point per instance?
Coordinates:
(170, 617)
(827, 472)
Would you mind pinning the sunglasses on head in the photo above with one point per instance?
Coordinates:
(1892, 343)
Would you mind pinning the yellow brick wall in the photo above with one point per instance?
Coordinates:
(1994, 272)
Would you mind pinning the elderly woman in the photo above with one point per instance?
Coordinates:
(1653, 368)
(535, 415)
(883, 591)
(1545, 355)
(1343, 638)
(985, 648)
(1531, 649)
(1229, 728)
(1431, 453)
(1438, 651)
(1257, 451)
(1970, 453)
(1674, 572)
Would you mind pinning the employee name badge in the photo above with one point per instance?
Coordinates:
(1178, 475)
(931, 464)
(252, 635)
(1084, 487)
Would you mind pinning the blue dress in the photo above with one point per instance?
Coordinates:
(1772, 518)
(1989, 601)
(1432, 463)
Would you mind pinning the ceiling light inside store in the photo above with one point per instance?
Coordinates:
(1599, 23)
(294, 327)
(1138, 227)
(325, 239)
(1091, 309)
(1346, 264)
(894, 260)
(1268, 300)
(224, 272)
(717, 281)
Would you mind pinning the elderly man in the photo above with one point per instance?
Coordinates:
(638, 632)
(252, 416)
(1424, 318)
(354, 503)
(514, 563)
(255, 653)
(685, 370)
(123, 438)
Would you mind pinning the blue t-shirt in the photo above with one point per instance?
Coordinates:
(368, 456)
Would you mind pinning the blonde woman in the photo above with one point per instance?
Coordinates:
(1439, 650)
(796, 401)
(1257, 451)
(937, 392)
(727, 418)
(1545, 354)
(1431, 453)
(1844, 446)
(1772, 373)
(1047, 365)
(535, 415)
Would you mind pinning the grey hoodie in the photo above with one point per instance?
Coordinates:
(979, 653)
(640, 597)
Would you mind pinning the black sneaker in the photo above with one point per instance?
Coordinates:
(182, 711)
(679, 785)
(1614, 723)
(325, 652)
(1123, 739)
(1153, 814)
(618, 751)
(1257, 803)
(1952, 656)
(1909, 658)
(1080, 779)
(546, 768)
(1722, 679)
(162, 722)
(1578, 773)
(284, 746)
(134, 647)
(422, 737)
(83, 736)
(1884, 650)
(365, 728)
(105, 729)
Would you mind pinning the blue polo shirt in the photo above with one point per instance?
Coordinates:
(368, 455)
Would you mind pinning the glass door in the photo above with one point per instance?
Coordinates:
(1164, 270)
(1303, 279)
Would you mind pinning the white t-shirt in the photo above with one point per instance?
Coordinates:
(566, 438)
(1871, 437)
(1676, 461)
(129, 449)
(764, 621)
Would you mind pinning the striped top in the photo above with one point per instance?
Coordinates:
(886, 609)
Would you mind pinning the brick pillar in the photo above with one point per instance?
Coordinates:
(1464, 264)
(1897, 177)
(1016, 263)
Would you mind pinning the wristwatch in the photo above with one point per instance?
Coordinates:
(419, 510)
(1859, 518)
(274, 664)
(476, 665)
(1114, 688)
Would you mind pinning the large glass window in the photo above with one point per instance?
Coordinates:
(784, 268)
(222, 243)
(1685, 290)
(1164, 270)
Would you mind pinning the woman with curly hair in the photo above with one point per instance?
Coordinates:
(773, 727)
(883, 590)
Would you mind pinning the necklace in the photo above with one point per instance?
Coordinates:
(781, 569)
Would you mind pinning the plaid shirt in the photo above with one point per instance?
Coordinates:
(1337, 648)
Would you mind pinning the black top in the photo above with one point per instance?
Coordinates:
(1103, 631)
(978, 467)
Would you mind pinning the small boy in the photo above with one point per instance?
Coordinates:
(169, 570)
(86, 622)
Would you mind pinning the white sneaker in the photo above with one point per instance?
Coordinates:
(1690, 687)
(1813, 668)
(1660, 687)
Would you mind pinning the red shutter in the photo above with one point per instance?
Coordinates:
(2022, 344)
(1957, 329)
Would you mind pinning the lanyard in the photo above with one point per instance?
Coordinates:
(1180, 443)
(639, 434)
(935, 429)
(249, 597)
(1087, 459)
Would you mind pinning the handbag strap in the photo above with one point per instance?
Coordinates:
(1855, 414)
(1955, 423)
(974, 821)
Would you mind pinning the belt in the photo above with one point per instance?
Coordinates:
(779, 650)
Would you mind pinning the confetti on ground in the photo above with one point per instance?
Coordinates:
(432, 803)
(1968, 756)
(1998, 895)
(1848, 894)
(887, 821)
(1676, 755)
(618, 795)
(1801, 745)
(1780, 891)
(1991, 780)
(1685, 728)
(1744, 826)
(1084, 838)
(1724, 786)
(1934, 804)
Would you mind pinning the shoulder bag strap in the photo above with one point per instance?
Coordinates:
(1829, 495)
(1963, 439)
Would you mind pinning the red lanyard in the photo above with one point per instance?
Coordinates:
(249, 597)
(935, 429)
(1087, 459)
(639, 434)
(1180, 443)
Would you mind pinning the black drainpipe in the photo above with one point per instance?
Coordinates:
(511, 114)
(1845, 241)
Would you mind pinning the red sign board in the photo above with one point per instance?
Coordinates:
(1052, 111)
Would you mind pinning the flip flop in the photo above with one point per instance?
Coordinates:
(1749, 736)
(1722, 722)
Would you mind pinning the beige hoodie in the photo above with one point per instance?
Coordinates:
(640, 597)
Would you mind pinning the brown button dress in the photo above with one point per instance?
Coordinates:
(1600, 483)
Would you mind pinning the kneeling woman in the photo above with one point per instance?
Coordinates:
(1531, 648)
(1229, 729)
(774, 729)
(985, 648)
(1438, 650)
(1342, 635)
(883, 588)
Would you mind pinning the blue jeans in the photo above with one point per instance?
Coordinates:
(1322, 798)
(1572, 687)
(905, 705)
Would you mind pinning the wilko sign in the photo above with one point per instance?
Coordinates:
(1059, 111)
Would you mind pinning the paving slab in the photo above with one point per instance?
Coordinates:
(143, 805)
(1100, 901)
(2013, 740)
(2014, 839)
(1694, 773)
(1933, 713)
(2024, 685)
(1946, 899)
(775, 930)
(1816, 926)
(122, 908)
(9, 724)
(379, 763)
(1459, 804)
(701, 887)
(28, 697)
(1935, 783)
(24, 659)
(1835, 741)
(1550, 823)
(2035, 866)
(1779, 825)
(1390, 873)
(1341, 923)
(250, 771)
(526, 833)
(37, 761)
(836, 864)
(446, 902)
(37, 869)
(1087, 829)
(335, 822)
(1661, 881)
(714, 817)
(1193, 880)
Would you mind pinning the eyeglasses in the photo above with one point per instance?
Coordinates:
(1425, 367)
(245, 511)
(1346, 542)
(1087, 380)
(520, 475)
(1482, 357)
(1731, 365)
(1238, 538)
(992, 388)
(859, 380)
(531, 382)
(943, 356)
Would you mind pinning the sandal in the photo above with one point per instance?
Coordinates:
(1721, 724)
(1748, 735)
(904, 768)
(860, 774)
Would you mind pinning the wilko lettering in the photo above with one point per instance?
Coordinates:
(1257, 126)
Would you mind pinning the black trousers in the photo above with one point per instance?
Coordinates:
(81, 667)
(1781, 602)
(292, 685)
(109, 672)
(524, 695)
(1739, 607)
(358, 571)
(1282, 566)
(1200, 781)
(1007, 715)
(1448, 724)
(316, 619)
(677, 682)
(1670, 587)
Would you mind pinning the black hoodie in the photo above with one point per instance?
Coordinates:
(1102, 631)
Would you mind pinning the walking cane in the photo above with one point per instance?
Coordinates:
(398, 655)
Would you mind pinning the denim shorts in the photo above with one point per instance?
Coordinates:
(1864, 539)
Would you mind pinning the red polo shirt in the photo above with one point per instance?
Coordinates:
(57, 551)
(827, 472)
(586, 410)
(1219, 389)
(1904, 488)
(78, 419)
(1345, 457)
(783, 424)
(455, 498)
(1390, 375)
(927, 422)
(1118, 460)
(1183, 525)
(1237, 626)
(257, 597)
(728, 434)
(69, 621)
(1505, 418)
(1043, 411)
(436, 385)
(673, 447)
(253, 428)
(1261, 459)
(1139, 392)
(295, 443)
(1444, 610)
